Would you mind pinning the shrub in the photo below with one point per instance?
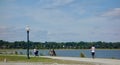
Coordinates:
(82, 55)
(16, 52)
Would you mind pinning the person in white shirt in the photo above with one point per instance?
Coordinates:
(93, 51)
(36, 52)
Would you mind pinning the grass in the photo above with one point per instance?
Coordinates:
(16, 58)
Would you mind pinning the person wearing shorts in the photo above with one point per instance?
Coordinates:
(93, 51)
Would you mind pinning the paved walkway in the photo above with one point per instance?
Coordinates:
(96, 60)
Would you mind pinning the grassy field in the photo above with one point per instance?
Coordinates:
(16, 58)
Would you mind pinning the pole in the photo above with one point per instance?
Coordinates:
(28, 45)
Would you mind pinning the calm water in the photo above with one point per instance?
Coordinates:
(76, 53)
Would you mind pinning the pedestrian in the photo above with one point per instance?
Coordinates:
(54, 54)
(50, 52)
(93, 51)
(35, 52)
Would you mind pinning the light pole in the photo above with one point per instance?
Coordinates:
(28, 29)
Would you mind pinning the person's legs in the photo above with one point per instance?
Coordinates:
(93, 55)
(36, 53)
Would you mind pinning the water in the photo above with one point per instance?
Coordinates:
(103, 53)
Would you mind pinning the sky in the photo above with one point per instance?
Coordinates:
(60, 20)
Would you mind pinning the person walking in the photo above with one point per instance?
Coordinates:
(54, 53)
(93, 51)
(50, 52)
(35, 52)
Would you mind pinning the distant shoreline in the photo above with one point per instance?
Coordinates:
(61, 49)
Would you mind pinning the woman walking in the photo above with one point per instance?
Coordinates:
(93, 51)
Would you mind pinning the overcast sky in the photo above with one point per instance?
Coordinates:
(60, 20)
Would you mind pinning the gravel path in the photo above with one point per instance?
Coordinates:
(99, 61)
(37, 63)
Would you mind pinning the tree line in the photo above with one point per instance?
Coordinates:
(58, 45)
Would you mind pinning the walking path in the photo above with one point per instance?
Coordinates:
(96, 60)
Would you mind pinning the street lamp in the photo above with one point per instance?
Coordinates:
(28, 29)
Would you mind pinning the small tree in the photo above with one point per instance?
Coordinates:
(82, 55)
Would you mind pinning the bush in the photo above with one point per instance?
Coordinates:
(113, 58)
(82, 55)
(16, 52)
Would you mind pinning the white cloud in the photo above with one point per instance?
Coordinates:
(39, 35)
(54, 3)
(12, 33)
(3, 29)
(113, 13)
(59, 24)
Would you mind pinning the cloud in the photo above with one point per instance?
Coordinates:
(58, 20)
(54, 3)
(39, 35)
(113, 13)
(3, 29)
(12, 33)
